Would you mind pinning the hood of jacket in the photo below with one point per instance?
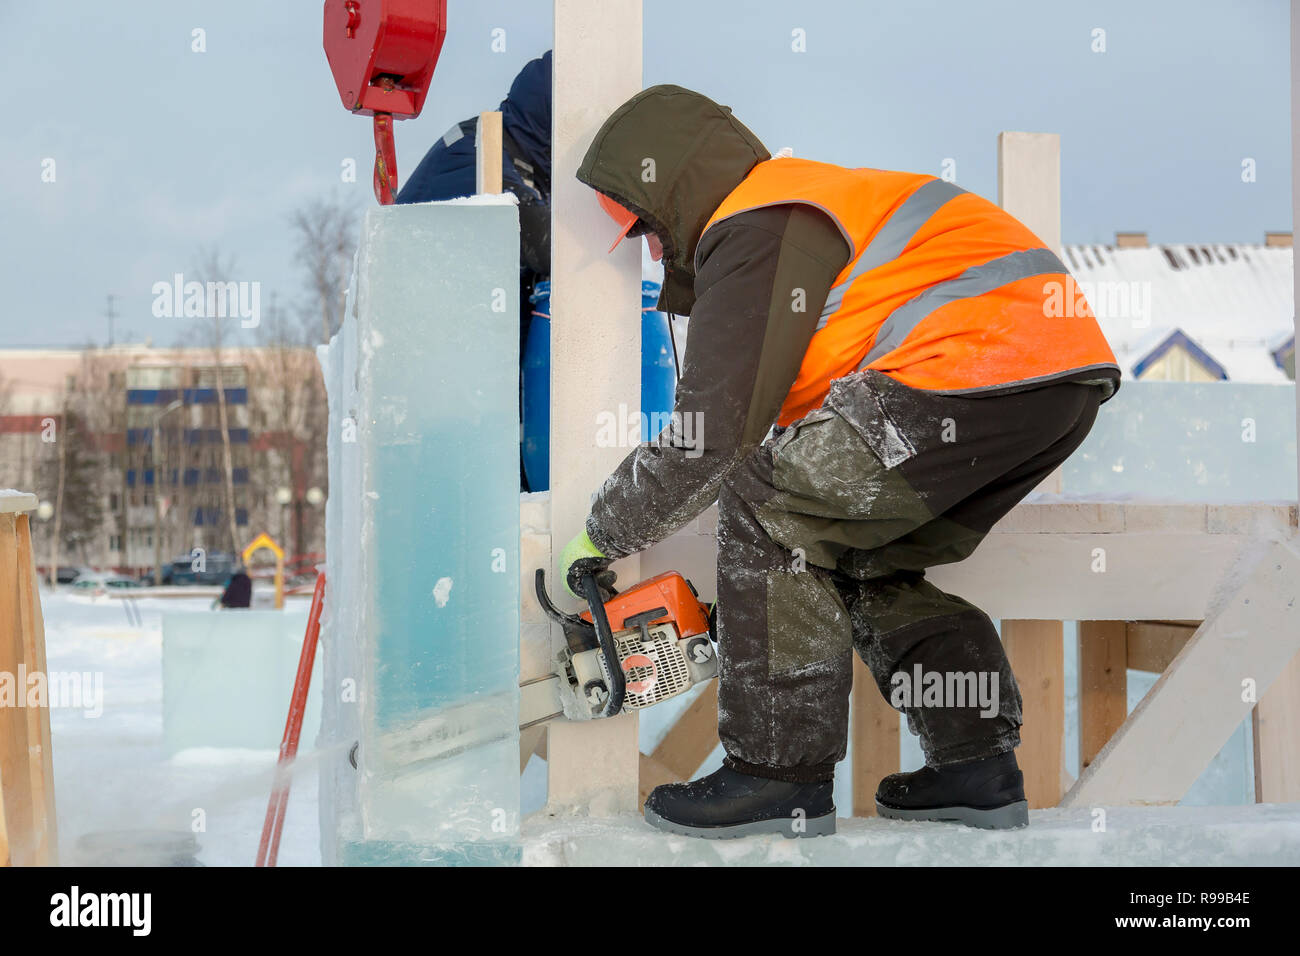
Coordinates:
(672, 155)
(526, 112)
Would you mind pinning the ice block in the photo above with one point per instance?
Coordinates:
(422, 606)
(227, 678)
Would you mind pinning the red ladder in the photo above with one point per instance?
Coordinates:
(279, 802)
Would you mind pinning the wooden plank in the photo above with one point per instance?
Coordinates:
(873, 735)
(1119, 576)
(651, 774)
(1166, 571)
(1037, 654)
(487, 156)
(590, 765)
(1152, 645)
(15, 501)
(1276, 728)
(14, 760)
(693, 737)
(1187, 717)
(1103, 684)
(530, 738)
(40, 753)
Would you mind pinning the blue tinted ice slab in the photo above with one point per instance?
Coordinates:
(228, 676)
(1190, 441)
(424, 536)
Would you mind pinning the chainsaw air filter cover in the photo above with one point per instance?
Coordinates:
(661, 634)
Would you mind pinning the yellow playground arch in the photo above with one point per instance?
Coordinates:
(264, 540)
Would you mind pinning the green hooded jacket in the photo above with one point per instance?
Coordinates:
(672, 156)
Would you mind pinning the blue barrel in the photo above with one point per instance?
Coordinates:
(658, 379)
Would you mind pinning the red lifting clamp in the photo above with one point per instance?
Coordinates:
(382, 54)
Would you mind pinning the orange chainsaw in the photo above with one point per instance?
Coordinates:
(633, 649)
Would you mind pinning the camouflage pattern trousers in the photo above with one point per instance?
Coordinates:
(824, 535)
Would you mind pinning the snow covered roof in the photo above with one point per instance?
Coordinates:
(1234, 302)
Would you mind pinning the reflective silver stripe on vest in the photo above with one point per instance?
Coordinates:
(975, 281)
(892, 238)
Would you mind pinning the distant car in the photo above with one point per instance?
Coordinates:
(99, 581)
(218, 567)
(67, 575)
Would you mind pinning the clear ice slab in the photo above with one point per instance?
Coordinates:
(421, 625)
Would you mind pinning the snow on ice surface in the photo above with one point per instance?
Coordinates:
(111, 772)
(1266, 835)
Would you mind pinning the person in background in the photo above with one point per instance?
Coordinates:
(239, 590)
(448, 172)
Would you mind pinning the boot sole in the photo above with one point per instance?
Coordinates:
(1013, 816)
(812, 827)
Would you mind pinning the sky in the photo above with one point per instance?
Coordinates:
(161, 150)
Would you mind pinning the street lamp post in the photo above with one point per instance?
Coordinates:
(157, 496)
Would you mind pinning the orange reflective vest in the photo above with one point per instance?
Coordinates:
(943, 291)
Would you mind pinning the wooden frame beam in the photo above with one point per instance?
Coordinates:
(873, 739)
(1036, 650)
(1210, 687)
(1103, 685)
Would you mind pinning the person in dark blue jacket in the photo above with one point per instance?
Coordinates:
(448, 172)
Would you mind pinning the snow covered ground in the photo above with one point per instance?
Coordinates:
(112, 775)
(110, 771)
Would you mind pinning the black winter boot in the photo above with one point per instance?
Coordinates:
(988, 793)
(728, 804)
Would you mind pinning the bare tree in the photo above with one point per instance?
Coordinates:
(327, 235)
(211, 267)
(78, 468)
(291, 409)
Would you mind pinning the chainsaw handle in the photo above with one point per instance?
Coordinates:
(617, 682)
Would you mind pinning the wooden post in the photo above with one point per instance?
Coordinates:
(1151, 645)
(1103, 685)
(1037, 654)
(487, 153)
(873, 735)
(1295, 179)
(1277, 718)
(1276, 727)
(1029, 187)
(28, 830)
(595, 356)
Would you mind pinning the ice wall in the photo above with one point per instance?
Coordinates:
(421, 625)
(1190, 441)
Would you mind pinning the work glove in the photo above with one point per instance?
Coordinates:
(581, 557)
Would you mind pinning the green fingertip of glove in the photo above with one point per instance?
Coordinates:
(580, 548)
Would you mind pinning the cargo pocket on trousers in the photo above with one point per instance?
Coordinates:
(822, 467)
(806, 622)
(859, 400)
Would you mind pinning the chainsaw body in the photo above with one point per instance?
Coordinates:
(637, 648)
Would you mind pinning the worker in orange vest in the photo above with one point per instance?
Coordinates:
(879, 366)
